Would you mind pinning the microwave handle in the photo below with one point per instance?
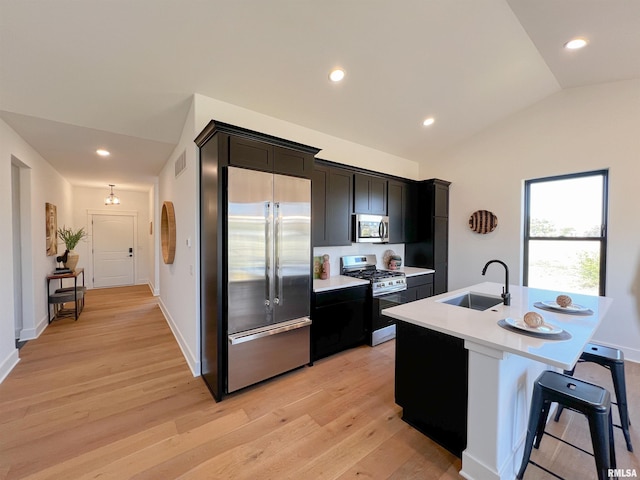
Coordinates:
(382, 228)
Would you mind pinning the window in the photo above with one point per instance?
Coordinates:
(565, 233)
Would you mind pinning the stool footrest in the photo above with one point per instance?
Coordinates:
(568, 443)
(546, 470)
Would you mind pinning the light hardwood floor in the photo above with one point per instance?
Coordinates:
(111, 397)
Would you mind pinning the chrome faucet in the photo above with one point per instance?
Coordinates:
(506, 296)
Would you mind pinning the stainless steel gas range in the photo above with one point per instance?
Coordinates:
(387, 289)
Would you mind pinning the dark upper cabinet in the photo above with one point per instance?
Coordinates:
(319, 182)
(292, 162)
(258, 155)
(370, 194)
(250, 153)
(331, 207)
(401, 209)
(438, 191)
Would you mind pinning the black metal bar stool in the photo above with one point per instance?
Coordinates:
(591, 400)
(613, 360)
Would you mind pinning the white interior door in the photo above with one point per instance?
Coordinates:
(113, 250)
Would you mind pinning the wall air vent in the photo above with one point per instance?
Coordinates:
(181, 164)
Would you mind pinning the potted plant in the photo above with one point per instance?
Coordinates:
(70, 239)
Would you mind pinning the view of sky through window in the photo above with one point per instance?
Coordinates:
(565, 234)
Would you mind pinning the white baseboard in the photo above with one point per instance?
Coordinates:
(33, 333)
(8, 364)
(155, 291)
(194, 364)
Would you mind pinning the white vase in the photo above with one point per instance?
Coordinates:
(72, 260)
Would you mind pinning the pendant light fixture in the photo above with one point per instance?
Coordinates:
(112, 199)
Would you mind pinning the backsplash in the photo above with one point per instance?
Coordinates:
(376, 249)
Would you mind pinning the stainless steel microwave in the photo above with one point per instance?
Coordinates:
(371, 228)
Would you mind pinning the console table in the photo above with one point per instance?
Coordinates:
(63, 295)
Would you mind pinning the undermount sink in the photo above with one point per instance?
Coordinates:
(474, 301)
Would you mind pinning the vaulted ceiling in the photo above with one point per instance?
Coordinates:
(119, 74)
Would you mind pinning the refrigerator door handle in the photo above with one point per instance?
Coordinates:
(262, 332)
(277, 219)
(267, 253)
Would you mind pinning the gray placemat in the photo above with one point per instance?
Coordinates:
(563, 335)
(542, 306)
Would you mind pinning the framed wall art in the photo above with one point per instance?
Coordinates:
(51, 213)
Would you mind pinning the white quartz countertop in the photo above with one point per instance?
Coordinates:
(336, 282)
(480, 327)
(342, 281)
(414, 271)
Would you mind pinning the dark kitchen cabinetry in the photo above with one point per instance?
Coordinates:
(401, 209)
(432, 248)
(338, 320)
(223, 147)
(331, 204)
(257, 155)
(431, 384)
(419, 287)
(370, 194)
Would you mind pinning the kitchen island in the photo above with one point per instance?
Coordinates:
(502, 364)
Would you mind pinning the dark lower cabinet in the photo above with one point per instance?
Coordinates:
(431, 384)
(419, 287)
(338, 320)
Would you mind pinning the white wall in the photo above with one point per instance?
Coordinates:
(179, 298)
(87, 199)
(357, 249)
(332, 148)
(39, 184)
(575, 130)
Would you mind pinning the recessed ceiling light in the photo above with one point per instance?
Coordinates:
(428, 121)
(103, 153)
(336, 75)
(575, 44)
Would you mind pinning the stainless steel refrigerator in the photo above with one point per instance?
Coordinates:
(268, 275)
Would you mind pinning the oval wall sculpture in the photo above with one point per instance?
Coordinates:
(168, 232)
(483, 221)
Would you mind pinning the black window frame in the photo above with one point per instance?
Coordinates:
(603, 230)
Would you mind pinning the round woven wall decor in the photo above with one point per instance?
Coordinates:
(483, 221)
(168, 232)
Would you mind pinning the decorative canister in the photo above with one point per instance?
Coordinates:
(325, 274)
